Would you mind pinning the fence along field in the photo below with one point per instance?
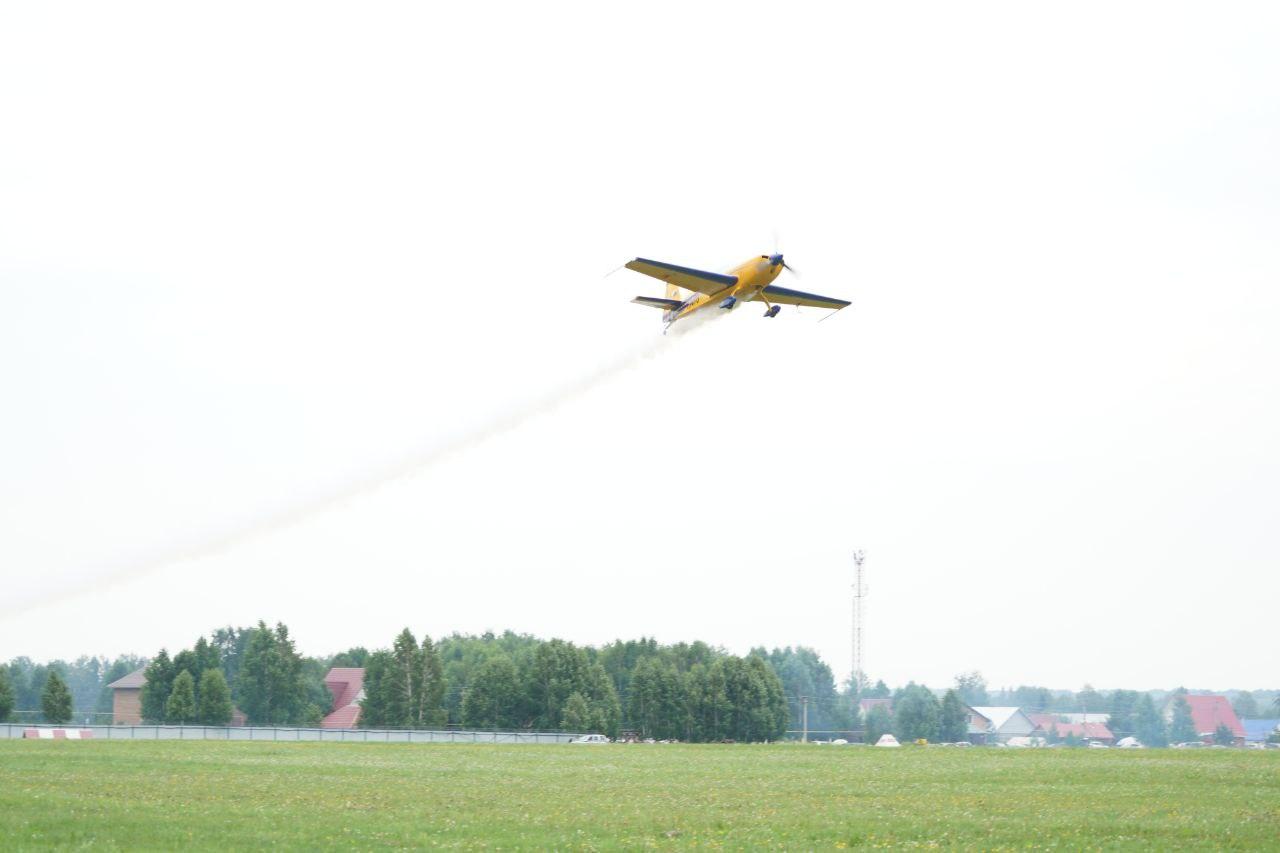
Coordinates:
(163, 794)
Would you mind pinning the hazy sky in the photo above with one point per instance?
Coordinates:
(256, 256)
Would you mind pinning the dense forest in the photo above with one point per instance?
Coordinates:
(683, 691)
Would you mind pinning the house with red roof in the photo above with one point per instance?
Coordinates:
(1064, 725)
(1208, 711)
(346, 683)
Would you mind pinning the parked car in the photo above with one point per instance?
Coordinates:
(590, 739)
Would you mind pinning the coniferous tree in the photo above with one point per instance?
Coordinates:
(207, 657)
(403, 681)
(55, 699)
(214, 708)
(953, 723)
(155, 692)
(656, 701)
(606, 708)
(428, 709)
(404, 688)
(1123, 705)
(378, 678)
(1182, 728)
(271, 688)
(181, 705)
(1149, 727)
(6, 695)
(771, 716)
(1223, 736)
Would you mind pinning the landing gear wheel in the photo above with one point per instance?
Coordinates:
(773, 311)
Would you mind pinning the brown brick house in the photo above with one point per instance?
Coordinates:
(126, 699)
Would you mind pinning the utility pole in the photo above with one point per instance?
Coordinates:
(804, 719)
(859, 592)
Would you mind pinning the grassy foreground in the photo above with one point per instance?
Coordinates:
(217, 795)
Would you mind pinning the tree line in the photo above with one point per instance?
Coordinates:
(685, 691)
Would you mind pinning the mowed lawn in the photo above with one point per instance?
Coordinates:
(207, 794)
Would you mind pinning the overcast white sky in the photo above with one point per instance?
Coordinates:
(253, 256)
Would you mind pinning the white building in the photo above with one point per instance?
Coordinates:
(1006, 722)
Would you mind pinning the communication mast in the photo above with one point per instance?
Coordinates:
(859, 675)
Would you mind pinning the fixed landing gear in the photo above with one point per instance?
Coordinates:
(772, 310)
(728, 303)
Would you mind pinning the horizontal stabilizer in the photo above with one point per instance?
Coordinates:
(655, 302)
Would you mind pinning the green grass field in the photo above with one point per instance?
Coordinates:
(214, 794)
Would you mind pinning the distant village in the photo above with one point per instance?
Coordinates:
(633, 690)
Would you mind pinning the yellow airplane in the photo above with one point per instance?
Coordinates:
(748, 282)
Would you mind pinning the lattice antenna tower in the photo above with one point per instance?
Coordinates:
(859, 675)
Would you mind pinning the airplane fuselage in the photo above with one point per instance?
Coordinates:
(753, 276)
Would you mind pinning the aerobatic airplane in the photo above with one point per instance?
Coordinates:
(748, 282)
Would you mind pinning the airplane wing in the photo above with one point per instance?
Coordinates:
(689, 279)
(787, 296)
(655, 302)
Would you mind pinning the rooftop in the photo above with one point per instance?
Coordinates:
(133, 681)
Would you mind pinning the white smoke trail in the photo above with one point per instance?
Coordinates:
(275, 520)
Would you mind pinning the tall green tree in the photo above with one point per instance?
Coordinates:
(1182, 728)
(407, 687)
(155, 693)
(429, 687)
(707, 706)
(803, 673)
(230, 644)
(953, 722)
(379, 675)
(180, 708)
(576, 716)
(6, 695)
(1223, 735)
(55, 699)
(879, 723)
(214, 708)
(1246, 707)
(404, 688)
(1148, 726)
(1032, 698)
(656, 699)
(879, 691)
(972, 688)
(1122, 707)
(1090, 701)
(19, 681)
(271, 688)
(493, 700)
(916, 713)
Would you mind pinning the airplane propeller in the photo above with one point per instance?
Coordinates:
(776, 259)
